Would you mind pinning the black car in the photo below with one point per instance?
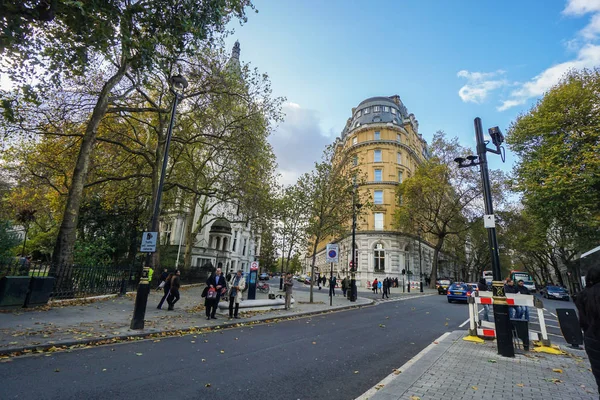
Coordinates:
(555, 292)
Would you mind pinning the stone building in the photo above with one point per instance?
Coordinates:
(383, 143)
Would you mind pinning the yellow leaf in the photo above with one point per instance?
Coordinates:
(558, 370)
(520, 385)
(356, 372)
(314, 343)
(415, 398)
(474, 387)
(207, 385)
(138, 354)
(222, 351)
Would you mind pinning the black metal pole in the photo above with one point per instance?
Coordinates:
(353, 291)
(420, 267)
(141, 298)
(501, 315)
(282, 257)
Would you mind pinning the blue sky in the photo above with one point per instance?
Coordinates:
(450, 61)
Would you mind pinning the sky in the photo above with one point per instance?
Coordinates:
(449, 61)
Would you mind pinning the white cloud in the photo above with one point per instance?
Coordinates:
(587, 57)
(479, 84)
(581, 7)
(298, 142)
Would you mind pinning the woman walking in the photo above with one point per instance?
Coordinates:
(588, 305)
(166, 290)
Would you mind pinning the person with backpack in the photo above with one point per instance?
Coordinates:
(166, 289)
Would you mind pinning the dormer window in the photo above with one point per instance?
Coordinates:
(393, 111)
(386, 109)
(358, 113)
(376, 108)
(367, 110)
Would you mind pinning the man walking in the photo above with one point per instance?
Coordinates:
(386, 287)
(161, 279)
(174, 289)
(344, 285)
(237, 285)
(217, 282)
(288, 283)
(332, 283)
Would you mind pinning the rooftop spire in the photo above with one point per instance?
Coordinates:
(235, 53)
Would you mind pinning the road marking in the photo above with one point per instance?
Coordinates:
(371, 392)
(549, 334)
(554, 315)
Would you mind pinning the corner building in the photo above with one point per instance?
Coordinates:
(382, 142)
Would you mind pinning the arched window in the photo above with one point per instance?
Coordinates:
(217, 242)
(225, 244)
(379, 258)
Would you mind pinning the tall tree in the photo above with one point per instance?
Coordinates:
(127, 38)
(328, 188)
(558, 172)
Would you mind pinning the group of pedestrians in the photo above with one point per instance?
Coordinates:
(384, 286)
(517, 312)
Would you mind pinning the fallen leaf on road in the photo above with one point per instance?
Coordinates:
(156, 341)
(445, 324)
(57, 370)
(387, 317)
(192, 341)
(206, 341)
(558, 370)
(222, 351)
(520, 385)
(138, 354)
(103, 369)
(203, 360)
(314, 343)
(236, 338)
(415, 398)
(492, 361)
(381, 325)
(553, 380)
(397, 372)
(427, 312)
(474, 387)
(14, 343)
(207, 385)
(356, 372)
(380, 386)
(436, 342)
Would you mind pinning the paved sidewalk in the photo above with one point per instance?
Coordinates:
(451, 368)
(64, 324)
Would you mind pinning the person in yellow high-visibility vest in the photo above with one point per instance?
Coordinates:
(150, 273)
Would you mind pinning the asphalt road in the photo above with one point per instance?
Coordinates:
(333, 356)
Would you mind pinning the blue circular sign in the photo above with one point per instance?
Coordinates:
(332, 253)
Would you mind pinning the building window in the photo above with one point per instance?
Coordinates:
(217, 243)
(355, 160)
(393, 110)
(225, 243)
(376, 108)
(354, 140)
(234, 241)
(400, 176)
(367, 110)
(398, 158)
(358, 113)
(376, 155)
(244, 249)
(378, 197)
(378, 174)
(379, 258)
(378, 221)
(377, 135)
(386, 109)
(398, 138)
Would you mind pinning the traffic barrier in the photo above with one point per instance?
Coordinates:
(487, 329)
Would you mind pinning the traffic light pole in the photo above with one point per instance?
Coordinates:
(353, 290)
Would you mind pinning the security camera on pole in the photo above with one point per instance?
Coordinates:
(501, 316)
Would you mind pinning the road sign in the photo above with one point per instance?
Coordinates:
(149, 242)
(332, 252)
(254, 265)
(489, 221)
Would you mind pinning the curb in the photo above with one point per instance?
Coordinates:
(391, 386)
(158, 333)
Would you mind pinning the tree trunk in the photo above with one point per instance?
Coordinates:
(188, 235)
(65, 242)
(434, 267)
(312, 268)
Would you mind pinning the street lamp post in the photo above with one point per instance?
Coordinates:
(177, 85)
(420, 265)
(355, 206)
(501, 315)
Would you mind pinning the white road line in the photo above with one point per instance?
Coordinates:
(555, 316)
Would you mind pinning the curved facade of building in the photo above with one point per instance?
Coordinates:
(382, 142)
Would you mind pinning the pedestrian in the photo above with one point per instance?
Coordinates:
(174, 290)
(374, 284)
(588, 305)
(324, 280)
(288, 283)
(379, 286)
(319, 280)
(217, 283)
(161, 279)
(237, 284)
(522, 311)
(344, 285)
(166, 290)
(482, 287)
(332, 283)
(390, 284)
(385, 285)
(509, 287)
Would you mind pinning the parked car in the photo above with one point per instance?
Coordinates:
(442, 286)
(263, 277)
(555, 292)
(458, 291)
(307, 280)
(473, 286)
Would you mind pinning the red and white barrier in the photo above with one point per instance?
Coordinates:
(487, 329)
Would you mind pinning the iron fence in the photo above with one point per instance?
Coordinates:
(77, 281)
